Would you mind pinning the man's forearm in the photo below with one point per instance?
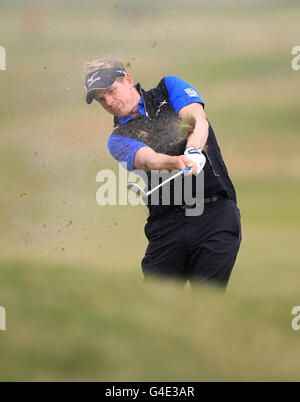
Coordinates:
(198, 137)
(147, 159)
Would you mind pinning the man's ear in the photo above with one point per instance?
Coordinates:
(128, 80)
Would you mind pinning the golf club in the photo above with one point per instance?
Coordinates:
(138, 189)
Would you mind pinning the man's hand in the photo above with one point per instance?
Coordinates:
(182, 161)
(196, 156)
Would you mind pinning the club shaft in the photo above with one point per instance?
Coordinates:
(166, 181)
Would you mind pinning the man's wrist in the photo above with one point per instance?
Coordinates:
(192, 149)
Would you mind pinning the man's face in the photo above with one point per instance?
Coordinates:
(121, 99)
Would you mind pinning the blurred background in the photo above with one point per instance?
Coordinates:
(70, 276)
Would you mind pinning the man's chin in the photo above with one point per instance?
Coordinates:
(120, 115)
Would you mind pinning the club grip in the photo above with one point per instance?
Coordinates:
(186, 169)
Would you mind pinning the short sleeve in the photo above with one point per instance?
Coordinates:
(181, 93)
(123, 149)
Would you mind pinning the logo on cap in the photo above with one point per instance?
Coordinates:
(92, 80)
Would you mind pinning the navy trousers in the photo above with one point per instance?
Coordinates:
(194, 248)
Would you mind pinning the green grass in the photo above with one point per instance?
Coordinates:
(66, 323)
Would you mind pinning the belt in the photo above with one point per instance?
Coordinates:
(206, 201)
(180, 209)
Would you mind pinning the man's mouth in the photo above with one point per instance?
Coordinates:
(116, 107)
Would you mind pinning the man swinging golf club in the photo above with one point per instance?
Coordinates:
(147, 137)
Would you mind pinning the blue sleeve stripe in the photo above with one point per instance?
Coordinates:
(123, 149)
(181, 93)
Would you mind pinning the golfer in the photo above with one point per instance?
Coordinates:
(147, 136)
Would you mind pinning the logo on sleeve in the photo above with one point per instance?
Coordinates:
(191, 92)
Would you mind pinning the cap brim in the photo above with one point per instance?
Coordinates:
(104, 85)
(89, 97)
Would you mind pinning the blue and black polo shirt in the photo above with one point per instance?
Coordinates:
(180, 93)
(158, 126)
